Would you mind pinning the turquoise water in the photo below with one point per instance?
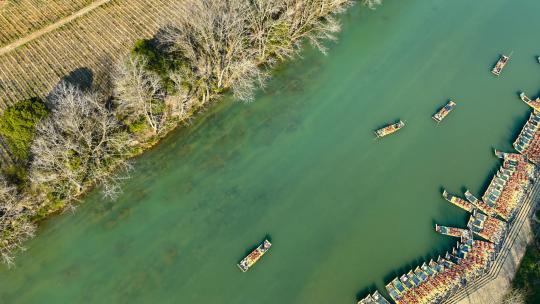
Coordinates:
(345, 213)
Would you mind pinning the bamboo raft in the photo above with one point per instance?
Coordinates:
(254, 256)
(479, 204)
(535, 104)
(444, 111)
(389, 129)
(454, 232)
(497, 69)
(375, 298)
(461, 203)
(514, 157)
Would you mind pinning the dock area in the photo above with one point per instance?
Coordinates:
(495, 238)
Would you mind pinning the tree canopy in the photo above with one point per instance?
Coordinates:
(17, 126)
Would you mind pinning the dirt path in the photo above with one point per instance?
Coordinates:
(21, 41)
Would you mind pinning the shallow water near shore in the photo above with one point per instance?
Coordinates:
(345, 212)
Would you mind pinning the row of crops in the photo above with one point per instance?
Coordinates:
(94, 41)
(19, 18)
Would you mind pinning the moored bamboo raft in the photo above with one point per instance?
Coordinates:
(433, 282)
(479, 204)
(535, 104)
(515, 157)
(487, 227)
(461, 203)
(454, 232)
(375, 298)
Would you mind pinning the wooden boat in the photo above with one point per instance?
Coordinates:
(254, 256)
(397, 284)
(497, 69)
(455, 232)
(406, 281)
(515, 157)
(389, 129)
(393, 292)
(459, 202)
(535, 104)
(375, 298)
(379, 299)
(444, 111)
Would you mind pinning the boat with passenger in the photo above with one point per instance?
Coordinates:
(497, 69)
(254, 256)
(444, 111)
(389, 129)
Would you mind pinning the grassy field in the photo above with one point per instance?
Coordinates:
(84, 49)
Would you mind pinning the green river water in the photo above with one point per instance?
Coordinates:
(345, 213)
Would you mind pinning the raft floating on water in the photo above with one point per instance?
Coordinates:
(500, 65)
(254, 256)
(452, 231)
(389, 129)
(459, 202)
(444, 111)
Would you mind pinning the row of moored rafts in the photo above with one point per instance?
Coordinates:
(479, 243)
(487, 227)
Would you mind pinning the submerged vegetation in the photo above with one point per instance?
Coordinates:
(78, 138)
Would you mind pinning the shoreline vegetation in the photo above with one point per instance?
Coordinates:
(55, 150)
(526, 283)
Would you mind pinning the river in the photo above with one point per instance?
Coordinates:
(345, 212)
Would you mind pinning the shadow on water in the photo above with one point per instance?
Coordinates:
(415, 263)
(518, 125)
(515, 130)
(365, 292)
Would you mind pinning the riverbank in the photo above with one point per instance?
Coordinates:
(161, 84)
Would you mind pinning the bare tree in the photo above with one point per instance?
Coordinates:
(514, 296)
(314, 20)
(211, 37)
(15, 225)
(264, 24)
(139, 92)
(182, 102)
(79, 143)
